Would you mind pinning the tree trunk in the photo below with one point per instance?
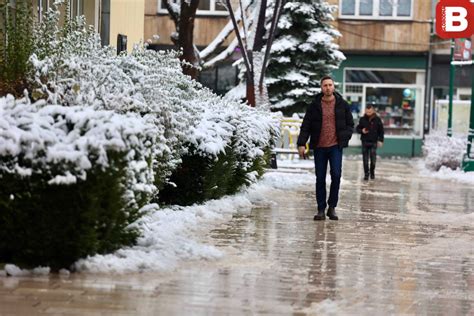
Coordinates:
(185, 40)
(250, 82)
(257, 47)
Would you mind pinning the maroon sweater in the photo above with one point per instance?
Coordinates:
(328, 135)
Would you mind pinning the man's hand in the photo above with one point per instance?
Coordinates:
(365, 130)
(301, 152)
(379, 144)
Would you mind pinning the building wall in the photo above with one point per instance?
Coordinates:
(126, 17)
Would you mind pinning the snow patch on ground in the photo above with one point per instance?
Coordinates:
(394, 179)
(382, 194)
(171, 235)
(445, 173)
(325, 307)
(13, 270)
(296, 163)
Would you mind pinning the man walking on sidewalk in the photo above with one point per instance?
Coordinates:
(329, 125)
(371, 129)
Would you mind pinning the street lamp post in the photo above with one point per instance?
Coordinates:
(468, 159)
(451, 91)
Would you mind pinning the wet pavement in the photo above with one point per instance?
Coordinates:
(404, 245)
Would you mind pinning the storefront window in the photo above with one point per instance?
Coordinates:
(396, 108)
(355, 102)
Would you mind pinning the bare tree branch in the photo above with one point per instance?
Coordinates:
(245, 56)
(244, 24)
(173, 14)
(224, 34)
(277, 10)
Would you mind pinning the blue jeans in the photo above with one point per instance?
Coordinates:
(321, 157)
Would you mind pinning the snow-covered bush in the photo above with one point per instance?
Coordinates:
(72, 180)
(441, 150)
(190, 120)
(225, 150)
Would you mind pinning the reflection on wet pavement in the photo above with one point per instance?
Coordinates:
(403, 245)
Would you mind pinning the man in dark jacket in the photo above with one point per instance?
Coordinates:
(371, 129)
(328, 124)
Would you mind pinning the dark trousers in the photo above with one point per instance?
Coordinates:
(369, 150)
(322, 156)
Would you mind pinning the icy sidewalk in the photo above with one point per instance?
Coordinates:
(403, 245)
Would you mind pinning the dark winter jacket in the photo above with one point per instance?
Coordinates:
(313, 120)
(375, 127)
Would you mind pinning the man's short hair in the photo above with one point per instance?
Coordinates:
(369, 106)
(325, 78)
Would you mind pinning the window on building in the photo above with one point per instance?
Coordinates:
(366, 7)
(376, 9)
(379, 76)
(220, 79)
(76, 7)
(105, 22)
(9, 12)
(348, 7)
(404, 8)
(205, 7)
(43, 6)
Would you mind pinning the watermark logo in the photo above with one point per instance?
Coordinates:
(454, 18)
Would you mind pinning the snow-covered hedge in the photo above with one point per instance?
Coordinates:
(101, 138)
(441, 150)
(72, 180)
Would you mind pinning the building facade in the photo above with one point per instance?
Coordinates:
(394, 61)
(386, 44)
(109, 17)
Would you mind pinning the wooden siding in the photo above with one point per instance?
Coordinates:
(386, 35)
(205, 30)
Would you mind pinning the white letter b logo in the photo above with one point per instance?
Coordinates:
(456, 19)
